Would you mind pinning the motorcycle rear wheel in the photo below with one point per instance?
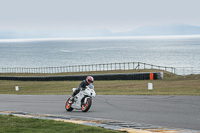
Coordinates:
(68, 105)
(85, 107)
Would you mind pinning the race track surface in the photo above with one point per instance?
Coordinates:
(168, 111)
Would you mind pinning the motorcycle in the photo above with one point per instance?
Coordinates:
(83, 100)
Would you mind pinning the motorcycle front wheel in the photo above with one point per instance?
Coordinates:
(85, 107)
(68, 105)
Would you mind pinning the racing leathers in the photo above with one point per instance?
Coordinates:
(82, 85)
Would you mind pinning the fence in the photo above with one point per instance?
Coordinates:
(86, 68)
(187, 70)
(103, 67)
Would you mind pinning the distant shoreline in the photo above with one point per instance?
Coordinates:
(94, 38)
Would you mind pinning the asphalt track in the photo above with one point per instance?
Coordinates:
(167, 111)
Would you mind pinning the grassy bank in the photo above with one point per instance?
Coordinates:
(10, 124)
(79, 73)
(170, 85)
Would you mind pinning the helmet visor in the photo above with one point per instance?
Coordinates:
(90, 81)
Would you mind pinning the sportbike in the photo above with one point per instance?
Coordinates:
(83, 100)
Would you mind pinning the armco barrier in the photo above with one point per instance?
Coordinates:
(87, 68)
(121, 76)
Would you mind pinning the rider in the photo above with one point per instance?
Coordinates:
(89, 80)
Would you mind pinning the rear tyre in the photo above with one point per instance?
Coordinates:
(85, 107)
(68, 105)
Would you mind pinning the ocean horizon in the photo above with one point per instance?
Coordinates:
(92, 38)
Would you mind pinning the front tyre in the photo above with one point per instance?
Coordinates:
(68, 105)
(85, 107)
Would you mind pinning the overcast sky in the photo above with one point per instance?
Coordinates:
(76, 15)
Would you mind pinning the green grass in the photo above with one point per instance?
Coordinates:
(12, 124)
(170, 85)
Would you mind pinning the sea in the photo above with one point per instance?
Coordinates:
(170, 51)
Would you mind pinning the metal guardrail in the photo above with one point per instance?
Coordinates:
(102, 67)
(187, 70)
(86, 68)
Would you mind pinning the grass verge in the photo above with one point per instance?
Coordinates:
(170, 85)
(10, 124)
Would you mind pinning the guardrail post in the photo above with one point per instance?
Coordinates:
(138, 65)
